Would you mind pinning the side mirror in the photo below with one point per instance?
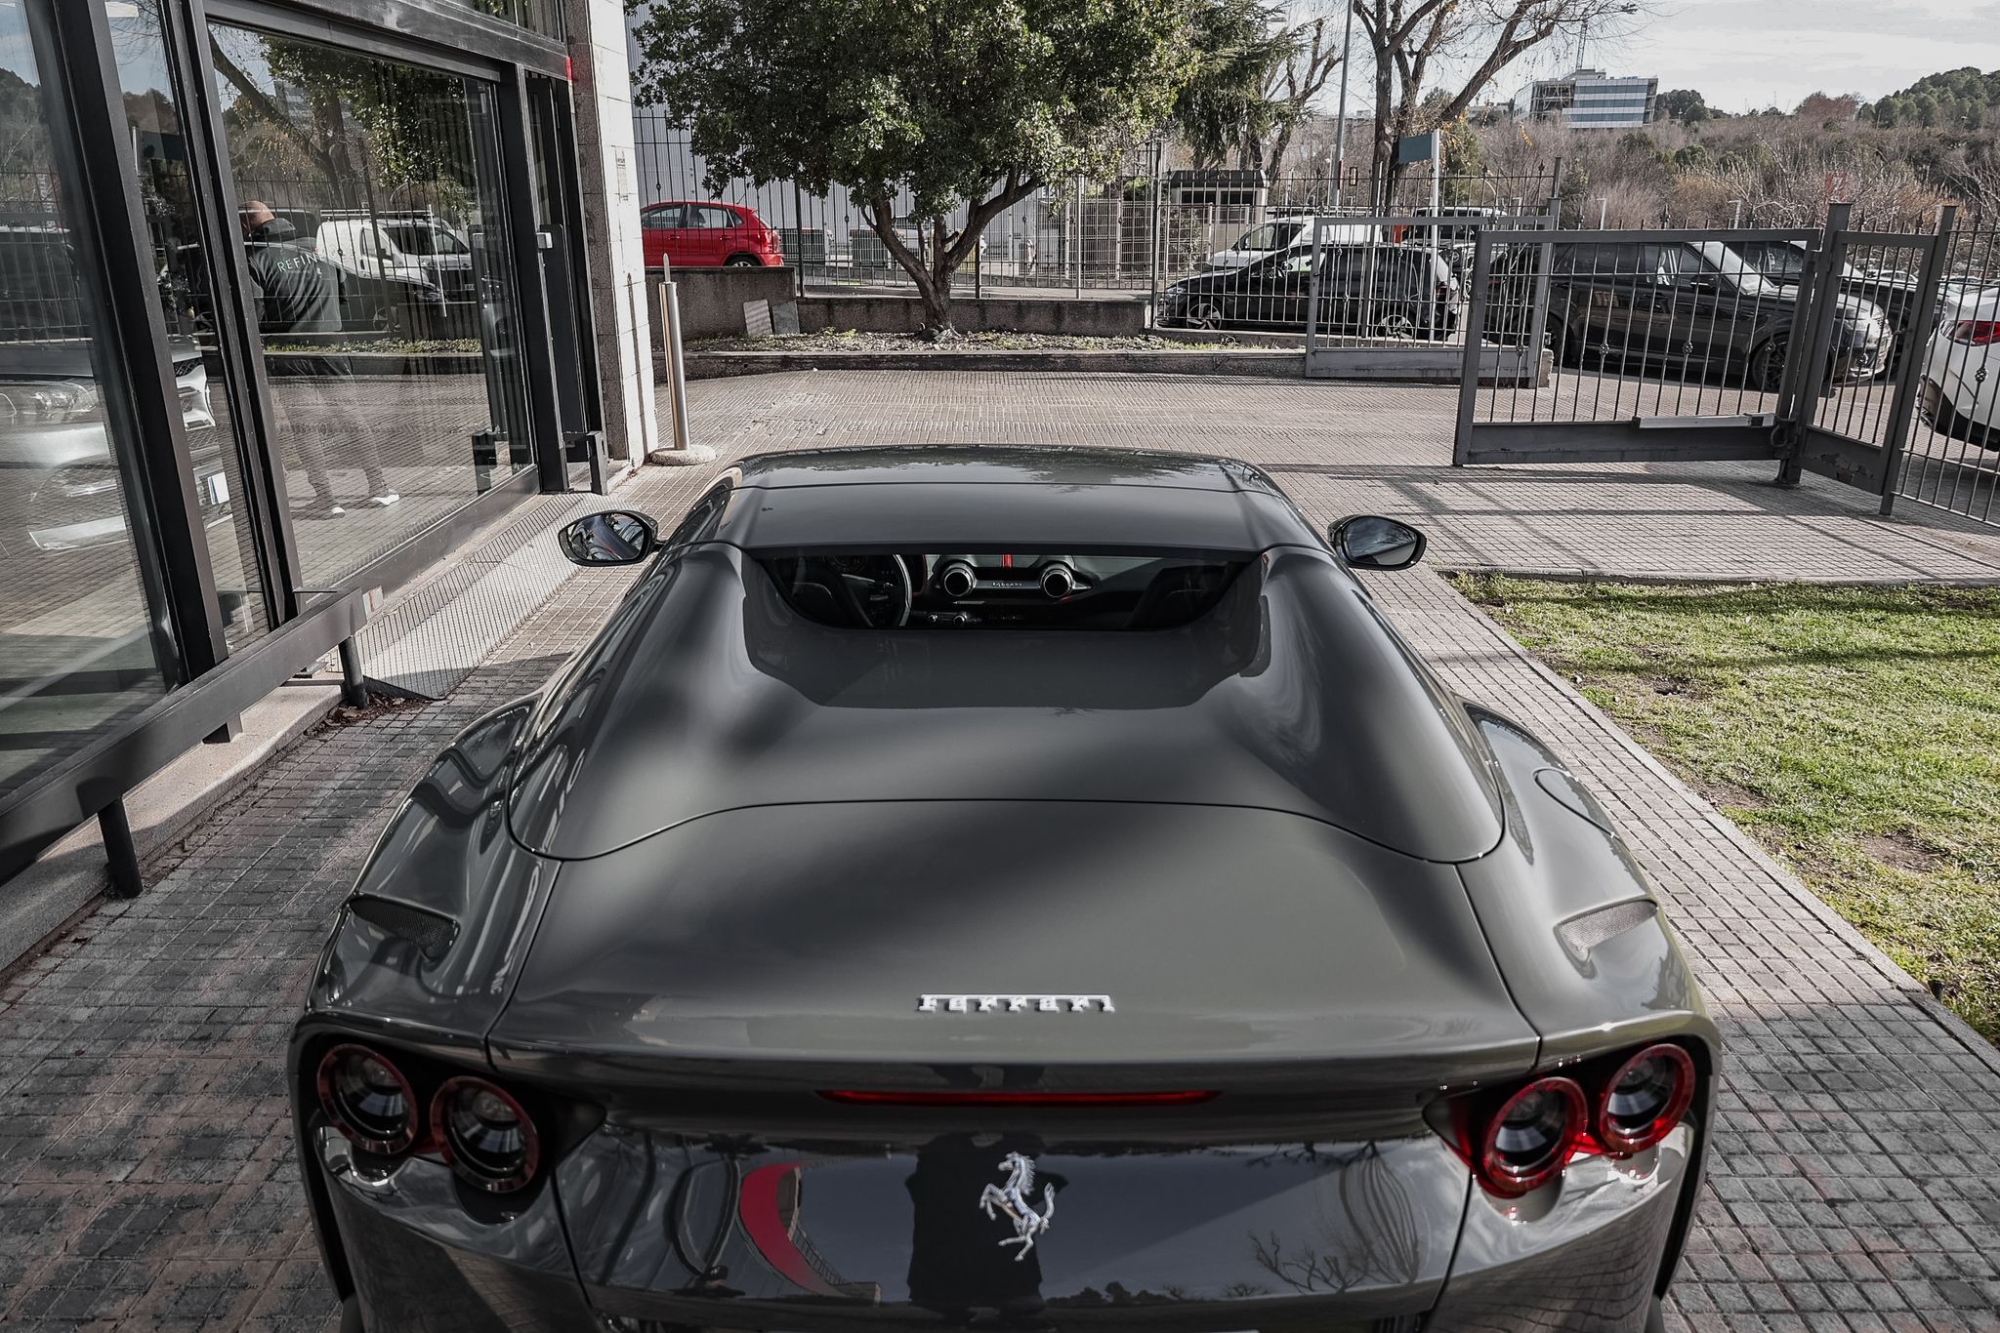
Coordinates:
(613, 537)
(1367, 542)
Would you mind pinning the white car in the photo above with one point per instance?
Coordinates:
(1960, 395)
(1283, 234)
(414, 246)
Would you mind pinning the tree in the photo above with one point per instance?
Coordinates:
(1315, 55)
(1820, 109)
(1682, 104)
(1481, 37)
(962, 105)
(368, 125)
(1240, 45)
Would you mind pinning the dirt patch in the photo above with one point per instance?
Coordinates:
(1897, 848)
(380, 704)
(1727, 795)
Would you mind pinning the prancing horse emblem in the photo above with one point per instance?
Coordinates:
(1012, 1199)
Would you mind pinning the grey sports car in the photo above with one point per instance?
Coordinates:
(981, 888)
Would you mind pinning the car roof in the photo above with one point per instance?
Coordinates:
(969, 498)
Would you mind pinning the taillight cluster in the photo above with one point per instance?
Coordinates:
(472, 1124)
(1518, 1139)
(1978, 332)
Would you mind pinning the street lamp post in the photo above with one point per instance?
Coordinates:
(1603, 210)
(1340, 132)
(1737, 222)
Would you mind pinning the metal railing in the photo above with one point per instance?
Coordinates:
(1952, 458)
(1867, 356)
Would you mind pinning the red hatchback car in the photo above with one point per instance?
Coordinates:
(689, 233)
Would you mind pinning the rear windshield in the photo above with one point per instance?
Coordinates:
(1002, 590)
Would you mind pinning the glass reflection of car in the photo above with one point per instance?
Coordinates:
(416, 245)
(1698, 307)
(374, 297)
(54, 439)
(1372, 290)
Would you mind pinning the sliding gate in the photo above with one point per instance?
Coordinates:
(1805, 349)
(1387, 296)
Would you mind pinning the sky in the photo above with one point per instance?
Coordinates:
(1749, 54)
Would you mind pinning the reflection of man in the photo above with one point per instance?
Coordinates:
(297, 292)
(959, 1260)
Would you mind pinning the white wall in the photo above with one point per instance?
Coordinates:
(609, 170)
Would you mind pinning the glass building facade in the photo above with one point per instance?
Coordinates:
(286, 309)
(1589, 99)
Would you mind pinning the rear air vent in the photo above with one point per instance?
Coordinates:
(1581, 934)
(431, 932)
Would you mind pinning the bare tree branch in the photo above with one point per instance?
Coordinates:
(1405, 38)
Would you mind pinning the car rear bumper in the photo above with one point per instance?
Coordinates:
(1961, 388)
(644, 1230)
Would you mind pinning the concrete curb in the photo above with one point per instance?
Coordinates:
(1278, 363)
(1665, 578)
(1838, 926)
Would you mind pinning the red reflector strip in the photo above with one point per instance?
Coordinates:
(856, 1097)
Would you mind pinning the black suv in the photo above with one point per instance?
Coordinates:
(1696, 306)
(1396, 291)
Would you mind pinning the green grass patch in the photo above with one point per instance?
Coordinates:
(1854, 732)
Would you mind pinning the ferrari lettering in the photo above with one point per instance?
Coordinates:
(1014, 1004)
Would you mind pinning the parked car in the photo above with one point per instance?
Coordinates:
(371, 300)
(944, 955)
(416, 245)
(1698, 308)
(1281, 235)
(693, 234)
(1960, 392)
(1894, 293)
(1371, 290)
(54, 439)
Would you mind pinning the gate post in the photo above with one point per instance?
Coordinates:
(1312, 300)
(1910, 380)
(1475, 339)
(1537, 331)
(1819, 303)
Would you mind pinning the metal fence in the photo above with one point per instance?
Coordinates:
(1952, 460)
(1146, 222)
(1871, 357)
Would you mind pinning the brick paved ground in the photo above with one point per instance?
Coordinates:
(146, 1178)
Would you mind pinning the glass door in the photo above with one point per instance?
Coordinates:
(83, 638)
(187, 298)
(372, 211)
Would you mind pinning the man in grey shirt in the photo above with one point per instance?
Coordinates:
(298, 292)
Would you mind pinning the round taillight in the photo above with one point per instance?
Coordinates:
(488, 1138)
(368, 1099)
(1530, 1137)
(1645, 1099)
